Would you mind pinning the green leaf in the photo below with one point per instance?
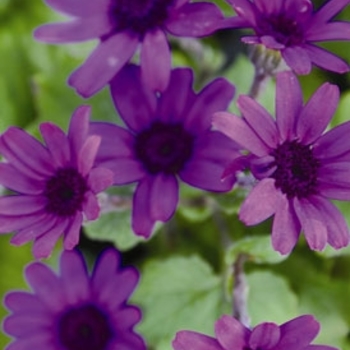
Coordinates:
(257, 249)
(270, 298)
(175, 294)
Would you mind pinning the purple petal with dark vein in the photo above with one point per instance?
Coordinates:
(338, 191)
(155, 60)
(298, 333)
(142, 223)
(135, 103)
(230, 331)
(327, 11)
(285, 228)
(317, 113)
(30, 232)
(12, 179)
(99, 179)
(87, 154)
(103, 64)
(312, 222)
(57, 143)
(46, 285)
(185, 340)
(80, 29)
(72, 234)
(252, 211)
(20, 145)
(44, 244)
(91, 207)
(194, 20)
(330, 31)
(333, 144)
(326, 60)
(78, 130)
(289, 101)
(338, 232)
(259, 120)
(206, 175)
(74, 277)
(238, 130)
(297, 59)
(164, 196)
(21, 205)
(85, 8)
(264, 336)
(213, 98)
(178, 97)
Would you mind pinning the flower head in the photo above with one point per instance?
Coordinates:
(293, 27)
(168, 136)
(296, 334)
(121, 26)
(53, 184)
(73, 311)
(298, 168)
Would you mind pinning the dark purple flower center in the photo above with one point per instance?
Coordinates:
(284, 30)
(84, 328)
(164, 148)
(65, 192)
(296, 173)
(139, 16)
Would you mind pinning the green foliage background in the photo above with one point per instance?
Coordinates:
(187, 265)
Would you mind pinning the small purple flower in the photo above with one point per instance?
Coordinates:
(298, 168)
(73, 311)
(293, 27)
(122, 26)
(53, 184)
(168, 136)
(296, 334)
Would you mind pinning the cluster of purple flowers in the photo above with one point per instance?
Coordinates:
(172, 133)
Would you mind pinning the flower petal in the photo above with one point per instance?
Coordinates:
(91, 207)
(87, 154)
(259, 120)
(72, 234)
(330, 31)
(105, 61)
(14, 223)
(79, 29)
(327, 11)
(317, 113)
(21, 205)
(186, 340)
(105, 268)
(312, 222)
(135, 103)
(194, 20)
(164, 196)
(264, 336)
(100, 179)
(215, 97)
(289, 101)
(155, 60)
(245, 9)
(252, 211)
(237, 129)
(297, 59)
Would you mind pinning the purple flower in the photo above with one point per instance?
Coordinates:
(298, 168)
(53, 184)
(168, 136)
(296, 334)
(74, 311)
(293, 27)
(121, 26)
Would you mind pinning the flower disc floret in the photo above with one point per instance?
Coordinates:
(299, 170)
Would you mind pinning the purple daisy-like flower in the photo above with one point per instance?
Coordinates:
(121, 26)
(299, 169)
(169, 137)
(54, 184)
(73, 311)
(296, 334)
(293, 27)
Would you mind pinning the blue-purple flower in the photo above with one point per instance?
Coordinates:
(53, 185)
(169, 137)
(75, 311)
(122, 26)
(297, 167)
(230, 334)
(294, 28)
